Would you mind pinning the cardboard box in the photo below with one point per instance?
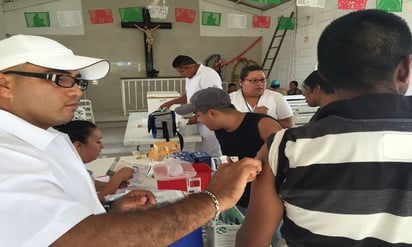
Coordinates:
(193, 239)
(223, 233)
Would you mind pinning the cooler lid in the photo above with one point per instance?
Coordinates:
(162, 94)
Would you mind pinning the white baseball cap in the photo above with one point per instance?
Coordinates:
(45, 52)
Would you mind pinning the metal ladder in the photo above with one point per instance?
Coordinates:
(273, 51)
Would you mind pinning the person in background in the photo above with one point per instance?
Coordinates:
(275, 86)
(48, 196)
(254, 97)
(293, 88)
(317, 91)
(231, 87)
(240, 134)
(87, 140)
(197, 77)
(358, 195)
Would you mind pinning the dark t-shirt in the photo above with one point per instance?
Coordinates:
(245, 141)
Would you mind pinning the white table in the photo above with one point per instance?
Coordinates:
(136, 133)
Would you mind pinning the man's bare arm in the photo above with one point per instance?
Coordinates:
(286, 122)
(268, 126)
(157, 227)
(265, 208)
(163, 226)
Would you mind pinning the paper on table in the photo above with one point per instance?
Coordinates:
(141, 171)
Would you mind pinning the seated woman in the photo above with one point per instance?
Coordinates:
(87, 140)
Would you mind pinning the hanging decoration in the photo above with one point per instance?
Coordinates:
(131, 14)
(311, 3)
(69, 18)
(101, 16)
(286, 23)
(211, 18)
(352, 4)
(185, 15)
(389, 5)
(236, 21)
(158, 10)
(261, 21)
(37, 19)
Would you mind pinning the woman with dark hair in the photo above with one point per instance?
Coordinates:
(255, 97)
(87, 140)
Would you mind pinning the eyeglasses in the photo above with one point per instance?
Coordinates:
(65, 81)
(255, 81)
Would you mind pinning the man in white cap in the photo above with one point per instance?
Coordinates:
(47, 195)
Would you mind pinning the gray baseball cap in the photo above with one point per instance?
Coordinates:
(205, 99)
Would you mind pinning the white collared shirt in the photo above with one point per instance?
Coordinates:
(278, 107)
(44, 186)
(205, 77)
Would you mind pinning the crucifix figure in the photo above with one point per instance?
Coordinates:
(147, 27)
(148, 33)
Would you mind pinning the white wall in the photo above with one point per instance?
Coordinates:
(2, 25)
(283, 69)
(311, 22)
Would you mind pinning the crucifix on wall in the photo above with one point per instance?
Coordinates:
(148, 27)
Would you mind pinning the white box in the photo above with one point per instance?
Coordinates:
(224, 235)
(157, 98)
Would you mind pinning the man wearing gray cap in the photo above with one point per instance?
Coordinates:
(47, 195)
(240, 134)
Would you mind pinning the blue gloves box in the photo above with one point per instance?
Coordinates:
(201, 157)
(183, 156)
(195, 157)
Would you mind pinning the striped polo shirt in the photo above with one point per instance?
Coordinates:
(346, 178)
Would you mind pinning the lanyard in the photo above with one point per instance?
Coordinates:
(247, 104)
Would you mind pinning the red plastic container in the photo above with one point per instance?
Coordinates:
(191, 185)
